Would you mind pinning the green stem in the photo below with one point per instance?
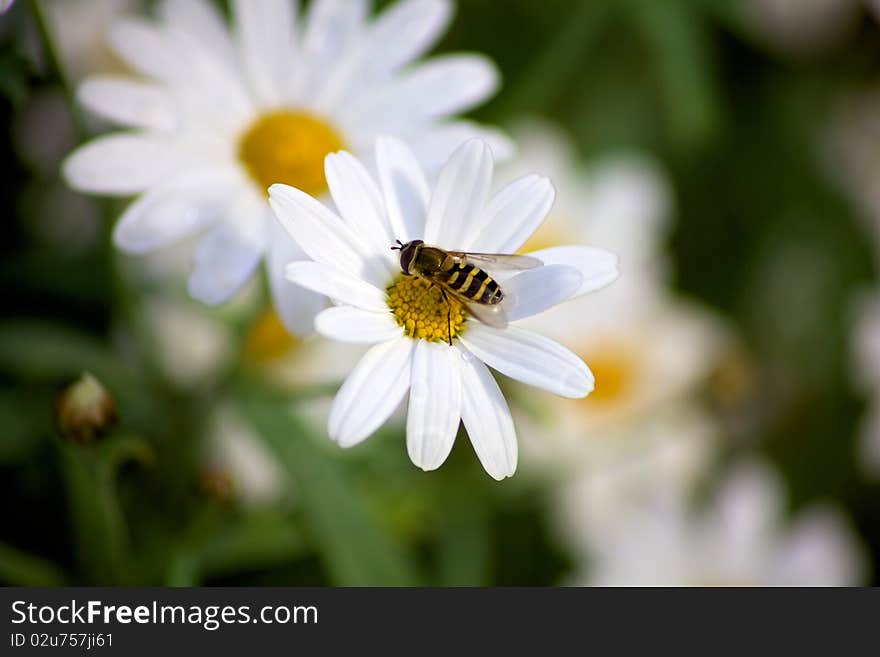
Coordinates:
(53, 56)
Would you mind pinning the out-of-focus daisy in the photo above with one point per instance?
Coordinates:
(217, 116)
(866, 343)
(741, 538)
(5, 5)
(616, 477)
(407, 318)
(236, 453)
(637, 333)
(798, 27)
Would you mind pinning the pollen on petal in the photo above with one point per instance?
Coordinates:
(419, 307)
(288, 147)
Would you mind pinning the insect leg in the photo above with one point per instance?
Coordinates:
(448, 316)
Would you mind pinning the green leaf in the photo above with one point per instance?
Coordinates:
(19, 568)
(685, 61)
(258, 540)
(99, 528)
(356, 550)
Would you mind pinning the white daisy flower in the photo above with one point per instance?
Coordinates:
(634, 333)
(217, 116)
(741, 538)
(407, 319)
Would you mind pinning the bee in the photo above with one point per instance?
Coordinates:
(463, 276)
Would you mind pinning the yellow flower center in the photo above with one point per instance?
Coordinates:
(616, 371)
(288, 147)
(419, 307)
(267, 340)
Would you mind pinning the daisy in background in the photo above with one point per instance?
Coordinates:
(649, 349)
(866, 367)
(216, 115)
(740, 538)
(407, 318)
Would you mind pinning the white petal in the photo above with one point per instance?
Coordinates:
(200, 20)
(513, 214)
(358, 200)
(266, 41)
(487, 418)
(337, 284)
(530, 358)
(597, 266)
(405, 31)
(404, 187)
(142, 46)
(127, 102)
(371, 392)
(169, 212)
(120, 164)
(459, 196)
(331, 25)
(297, 306)
(357, 326)
(434, 404)
(435, 144)
(325, 237)
(440, 87)
(224, 261)
(535, 290)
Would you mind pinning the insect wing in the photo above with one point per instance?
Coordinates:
(490, 315)
(500, 261)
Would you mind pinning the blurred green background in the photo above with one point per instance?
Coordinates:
(764, 234)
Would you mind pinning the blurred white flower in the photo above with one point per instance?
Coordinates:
(219, 115)
(5, 5)
(648, 350)
(802, 26)
(612, 480)
(191, 347)
(235, 450)
(852, 156)
(407, 318)
(866, 367)
(80, 28)
(741, 538)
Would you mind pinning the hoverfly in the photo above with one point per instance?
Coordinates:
(462, 275)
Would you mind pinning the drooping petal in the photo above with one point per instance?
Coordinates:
(597, 266)
(404, 188)
(530, 358)
(224, 261)
(459, 195)
(170, 211)
(357, 326)
(372, 392)
(513, 214)
(487, 418)
(325, 237)
(142, 47)
(265, 34)
(119, 164)
(339, 285)
(434, 404)
(296, 306)
(127, 102)
(359, 201)
(535, 290)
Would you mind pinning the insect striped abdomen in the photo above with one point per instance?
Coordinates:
(473, 283)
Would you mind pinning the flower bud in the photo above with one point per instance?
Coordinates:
(84, 410)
